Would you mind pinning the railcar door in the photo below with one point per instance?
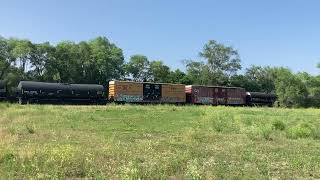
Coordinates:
(222, 96)
(151, 92)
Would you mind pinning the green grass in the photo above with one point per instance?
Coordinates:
(158, 142)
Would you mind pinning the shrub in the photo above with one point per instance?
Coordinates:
(278, 125)
(300, 131)
(265, 132)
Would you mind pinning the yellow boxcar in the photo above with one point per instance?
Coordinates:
(146, 92)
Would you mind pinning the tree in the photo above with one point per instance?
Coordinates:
(5, 57)
(139, 68)
(291, 91)
(244, 82)
(263, 76)
(159, 71)
(23, 52)
(180, 77)
(221, 62)
(87, 66)
(108, 60)
(221, 59)
(66, 62)
(43, 55)
(312, 84)
(197, 72)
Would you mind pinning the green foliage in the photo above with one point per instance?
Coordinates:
(22, 51)
(291, 91)
(196, 72)
(221, 58)
(5, 58)
(159, 71)
(262, 78)
(221, 62)
(303, 130)
(312, 84)
(95, 61)
(139, 68)
(245, 82)
(108, 60)
(279, 125)
(266, 131)
(179, 77)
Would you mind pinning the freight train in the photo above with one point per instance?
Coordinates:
(135, 92)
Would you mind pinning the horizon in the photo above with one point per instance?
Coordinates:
(266, 33)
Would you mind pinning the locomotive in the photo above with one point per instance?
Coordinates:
(134, 92)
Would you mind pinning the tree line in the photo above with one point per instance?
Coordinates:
(98, 61)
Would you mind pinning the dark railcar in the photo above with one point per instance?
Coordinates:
(41, 92)
(215, 95)
(260, 99)
(3, 90)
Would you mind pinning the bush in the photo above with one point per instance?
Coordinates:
(300, 131)
(278, 125)
(265, 131)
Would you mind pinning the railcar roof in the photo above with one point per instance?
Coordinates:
(145, 82)
(215, 86)
(46, 85)
(261, 94)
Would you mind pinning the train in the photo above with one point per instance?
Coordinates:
(117, 91)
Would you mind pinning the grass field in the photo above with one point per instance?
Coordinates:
(158, 142)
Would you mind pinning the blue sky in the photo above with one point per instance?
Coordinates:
(271, 32)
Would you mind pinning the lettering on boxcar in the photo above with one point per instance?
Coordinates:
(129, 98)
(205, 100)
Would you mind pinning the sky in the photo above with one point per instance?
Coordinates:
(265, 32)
